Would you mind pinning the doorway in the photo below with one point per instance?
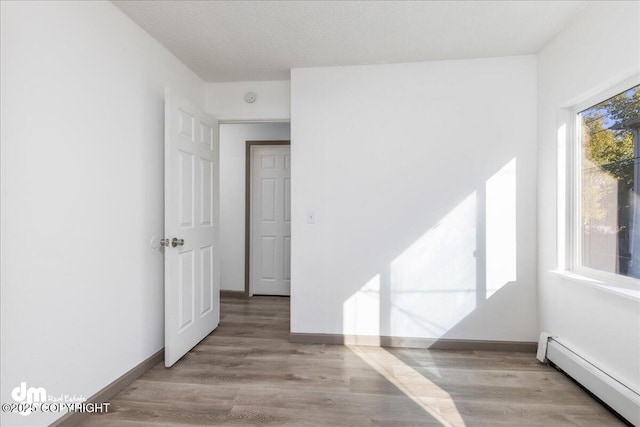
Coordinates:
(234, 176)
(268, 218)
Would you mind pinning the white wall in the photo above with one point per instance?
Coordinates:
(233, 138)
(599, 50)
(82, 194)
(422, 178)
(226, 100)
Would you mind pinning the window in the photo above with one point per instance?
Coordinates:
(607, 187)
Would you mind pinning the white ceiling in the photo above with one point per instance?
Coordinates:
(263, 40)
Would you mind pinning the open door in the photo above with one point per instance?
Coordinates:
(191, 260)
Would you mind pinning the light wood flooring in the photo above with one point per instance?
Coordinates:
(247, 373)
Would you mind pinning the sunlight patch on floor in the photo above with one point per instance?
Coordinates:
(424, 392)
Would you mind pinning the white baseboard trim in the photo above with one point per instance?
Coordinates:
(616, 395)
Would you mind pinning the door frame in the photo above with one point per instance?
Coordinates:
(247, 207)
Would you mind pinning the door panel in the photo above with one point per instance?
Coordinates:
(206, 265)
(287, 200)
(267, 199)
(206, 193)
(268, 162)
(186, 286)
(270, 220)
(185, 179)
(191, 213)
(268, 252)
(287, 258)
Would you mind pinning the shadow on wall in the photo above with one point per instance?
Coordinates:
(451, 276)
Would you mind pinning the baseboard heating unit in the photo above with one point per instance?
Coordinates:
(612, 392)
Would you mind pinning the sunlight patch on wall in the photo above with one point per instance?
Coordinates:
(361, 312)
(433, 282)
(501, 228)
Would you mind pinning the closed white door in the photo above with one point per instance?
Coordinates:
(192, 289)
(270, 220)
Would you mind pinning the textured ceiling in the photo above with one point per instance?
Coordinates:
(263, 40)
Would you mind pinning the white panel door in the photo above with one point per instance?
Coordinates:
(192, 288)
(271, 220)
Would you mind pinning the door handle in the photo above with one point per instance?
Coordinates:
(177, 242)
(164, 242)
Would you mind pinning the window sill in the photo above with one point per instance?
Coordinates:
(612, 288)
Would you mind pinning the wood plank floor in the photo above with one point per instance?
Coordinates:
(247, 373)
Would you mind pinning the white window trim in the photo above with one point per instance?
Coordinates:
(573, 168)
(630, 292)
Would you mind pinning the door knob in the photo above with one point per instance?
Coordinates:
(164, 242)
(177, 242)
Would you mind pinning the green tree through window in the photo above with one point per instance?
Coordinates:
(610, 184)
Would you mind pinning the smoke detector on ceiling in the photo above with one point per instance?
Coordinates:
(249, 97)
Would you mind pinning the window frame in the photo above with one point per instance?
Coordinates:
(574, 189)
